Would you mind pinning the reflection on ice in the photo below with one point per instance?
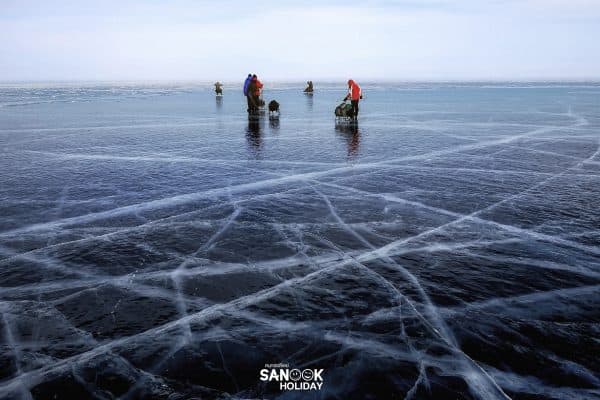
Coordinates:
(253, 134)
(352, 136)
(274, 123)
(155, 244)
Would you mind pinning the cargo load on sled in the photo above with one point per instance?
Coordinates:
(344, 112)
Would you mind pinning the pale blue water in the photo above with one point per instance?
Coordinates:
(156, 243)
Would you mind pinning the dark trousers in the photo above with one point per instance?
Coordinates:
(251, 104)
(354, 108)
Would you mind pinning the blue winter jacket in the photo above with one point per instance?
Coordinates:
(246, 83)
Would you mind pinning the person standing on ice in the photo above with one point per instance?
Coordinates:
(246, 83)
(257, 87)
(354, 95)
(219, 88)
(252, 104)
(249, 98)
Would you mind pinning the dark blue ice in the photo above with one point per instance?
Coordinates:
(156, 243)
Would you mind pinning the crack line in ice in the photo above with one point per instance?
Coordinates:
(502, 302)
(536, 387)
(224, 363)
(494, 171)
(532, 262)
(107, 127)
(538, 151)
(149, 372)
(179, 159)
(24, 392)
(422, 379)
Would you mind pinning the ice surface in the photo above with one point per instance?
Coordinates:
(155, 243)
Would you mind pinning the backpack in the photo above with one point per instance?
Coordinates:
(344, 110)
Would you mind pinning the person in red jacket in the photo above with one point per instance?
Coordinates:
(257, 89)
(258, 85)
(354, 95)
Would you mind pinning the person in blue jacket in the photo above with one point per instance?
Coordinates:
(249, 97)
(246, 83)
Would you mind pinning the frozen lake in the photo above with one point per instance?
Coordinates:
(155, 243)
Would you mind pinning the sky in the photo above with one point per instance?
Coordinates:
(403, 40)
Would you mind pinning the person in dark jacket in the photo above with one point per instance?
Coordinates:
(309, 87)
(219, 88)
(252, 100)
(248, 93)
(246, 83)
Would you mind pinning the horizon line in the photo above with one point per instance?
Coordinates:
(325, 80)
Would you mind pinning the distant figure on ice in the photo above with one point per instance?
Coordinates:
(354, 95)
(219, 88)
(247, 83)
(309, 87)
